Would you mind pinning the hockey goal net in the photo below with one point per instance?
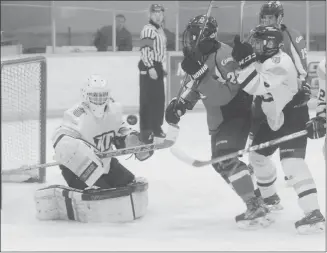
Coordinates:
(23, 118)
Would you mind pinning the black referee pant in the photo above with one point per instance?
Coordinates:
(152, 102)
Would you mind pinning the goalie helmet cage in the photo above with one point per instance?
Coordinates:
(23, 116)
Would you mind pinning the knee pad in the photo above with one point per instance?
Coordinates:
(298, 173)
(123, 204)
(224, 168)
(228, 168)
(80, 158)
(263, 167)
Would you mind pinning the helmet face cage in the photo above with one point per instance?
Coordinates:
(96, 94)
(193, 30)
(266, 40)
(98, 98)
(264, 47)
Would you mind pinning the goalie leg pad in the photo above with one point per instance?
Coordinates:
(122, 204)
(80, 158)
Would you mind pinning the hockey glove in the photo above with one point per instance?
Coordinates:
(243, 53)
(174, 111)
(303, 96)
(194, 68)
(316, 127)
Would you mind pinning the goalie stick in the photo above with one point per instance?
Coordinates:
(197, 163)
(168, 142)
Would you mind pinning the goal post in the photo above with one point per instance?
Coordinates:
(23, 117)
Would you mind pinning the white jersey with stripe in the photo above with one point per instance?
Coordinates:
(321, 72)
(79, 122)
(275, 80)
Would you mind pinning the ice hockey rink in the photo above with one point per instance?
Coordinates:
(189, 208)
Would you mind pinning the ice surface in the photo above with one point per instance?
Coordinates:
(189, 208)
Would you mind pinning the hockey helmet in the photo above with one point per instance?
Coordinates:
(96, 95)
(192, 33)
(266, 41)
(271, 12)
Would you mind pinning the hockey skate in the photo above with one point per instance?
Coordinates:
(273, 203)
(256, 215)
(313, 222)
(158, 136)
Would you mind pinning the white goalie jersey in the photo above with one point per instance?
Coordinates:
(275, 80)
(81, 136)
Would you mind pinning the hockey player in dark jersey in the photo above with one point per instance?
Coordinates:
(228, 110)
(272, 13)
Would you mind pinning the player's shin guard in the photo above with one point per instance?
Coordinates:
(303, 183)
(236, 173)
(265, 173)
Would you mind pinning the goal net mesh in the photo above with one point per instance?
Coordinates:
(23, 118)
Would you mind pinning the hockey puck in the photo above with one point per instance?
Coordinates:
(131, 119)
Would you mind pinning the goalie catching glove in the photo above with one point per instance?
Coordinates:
(130, 138)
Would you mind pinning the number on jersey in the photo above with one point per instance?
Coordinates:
(103, 141)
(230, 77)
(322, 95)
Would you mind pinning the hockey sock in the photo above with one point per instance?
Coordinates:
(239, 178)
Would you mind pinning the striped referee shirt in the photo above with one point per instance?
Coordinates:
(153, 44)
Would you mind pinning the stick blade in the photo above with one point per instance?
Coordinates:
(182, 156)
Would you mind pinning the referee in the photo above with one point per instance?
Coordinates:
(152, 89)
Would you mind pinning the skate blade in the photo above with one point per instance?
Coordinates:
(257, 223)
(311, 229)
(158, 140)
(275, 208)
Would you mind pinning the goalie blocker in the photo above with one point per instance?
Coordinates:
(122, 204)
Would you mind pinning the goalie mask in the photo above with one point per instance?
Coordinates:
(96, 94)
(271, 13)
(266, 41)
(207, 41)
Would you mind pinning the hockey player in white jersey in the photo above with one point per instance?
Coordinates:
(270, 75)
(98, 189)
(321, 106)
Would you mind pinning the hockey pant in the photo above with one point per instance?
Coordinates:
(118, 176)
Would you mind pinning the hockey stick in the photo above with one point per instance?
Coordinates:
(168, 142)
(196, 85)
(197, 163)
